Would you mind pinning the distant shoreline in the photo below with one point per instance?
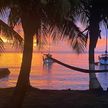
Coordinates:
(58, 52)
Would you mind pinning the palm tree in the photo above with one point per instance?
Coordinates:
(30, 13)
(93, 12)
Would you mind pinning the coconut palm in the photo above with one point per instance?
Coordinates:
(30, 13)
(93, 13)
(10, 34)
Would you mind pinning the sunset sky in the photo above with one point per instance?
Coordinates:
(100, 45)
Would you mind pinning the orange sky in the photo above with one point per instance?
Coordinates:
(60, 46)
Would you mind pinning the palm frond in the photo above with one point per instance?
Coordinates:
(4, 6)
(61, 23)
(10, 34)
(74, 35)
(78, 44)
(1, 45)
(14, 17)
(54, 11)
(69, 31)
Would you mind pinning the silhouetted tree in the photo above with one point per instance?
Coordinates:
(31, 13)
(92, 13)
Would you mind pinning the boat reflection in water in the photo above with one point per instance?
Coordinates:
(47, 67)
(103, 77)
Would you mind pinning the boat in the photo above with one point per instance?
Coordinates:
(47, 58)
(103, 59)
(4, 72)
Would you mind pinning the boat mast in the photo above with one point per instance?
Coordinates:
(106, 42)
(49, 45)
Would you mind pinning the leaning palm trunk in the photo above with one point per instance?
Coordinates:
(94, 34)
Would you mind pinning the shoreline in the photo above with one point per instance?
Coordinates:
(37, 98)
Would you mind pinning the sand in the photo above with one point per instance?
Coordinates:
(36, 98)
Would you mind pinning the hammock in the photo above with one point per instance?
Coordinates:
(77, 68)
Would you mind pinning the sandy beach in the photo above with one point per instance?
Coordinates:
(36, 98)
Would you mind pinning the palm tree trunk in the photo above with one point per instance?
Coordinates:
(94, 34)
(30, 24)
(23, 79)
(23, 82)
(93, 82)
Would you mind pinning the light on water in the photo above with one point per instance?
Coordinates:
(52, 76)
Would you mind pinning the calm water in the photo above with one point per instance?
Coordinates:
(53, 76)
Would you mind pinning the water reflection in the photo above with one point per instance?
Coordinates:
(103, 77)
(4, 82)
(48, 76)
(47, 67)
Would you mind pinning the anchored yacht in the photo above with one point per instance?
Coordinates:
(103, 59)
(47, 58)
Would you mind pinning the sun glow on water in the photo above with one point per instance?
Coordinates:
(51, 76)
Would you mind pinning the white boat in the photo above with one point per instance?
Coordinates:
(103, 59)
(47, 58)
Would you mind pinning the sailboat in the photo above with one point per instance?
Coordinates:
(103, 59)
(47, 57)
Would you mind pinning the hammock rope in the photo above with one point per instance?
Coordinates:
(77, 68)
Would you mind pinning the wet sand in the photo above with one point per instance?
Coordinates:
(36, 98)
